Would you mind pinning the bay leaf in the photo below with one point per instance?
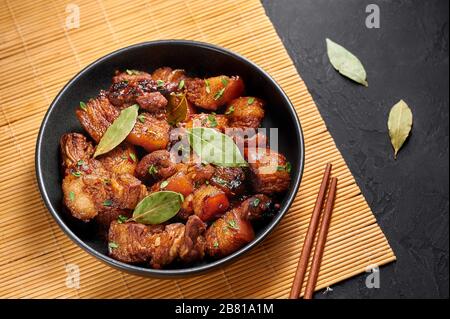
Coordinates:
(177, 108)
(346, 63)
(118, 130)
(399, 125)
(215, 148)
(157, 207)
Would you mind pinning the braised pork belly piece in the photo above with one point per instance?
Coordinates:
(269, 172)
(96, 116)
(211, 93)
(150, 133)
(127, 191)
(131, 76)
(147, 90)
(228, 234)
(132, 242)
(157, 245)
(153, 102)
(231, 180)
(234, 229)
(124, 93)
(85, 189)
(169, 78)
(216, 121)
(245, 112)
(120, 160)
(90, 189)
(254, 207)
(91, 186)
(75, 148)
(200, 173)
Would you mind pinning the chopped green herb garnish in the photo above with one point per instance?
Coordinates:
(230, 110)
(219, 181)
(106, 180)
(152, 170)
(232, 224)
(107, 203)
(164, 184)
(250, 100)
(224, 81)
(133, 157)
(181, 85)
(256, 202)
(141, 118)
(124, 157)
(288, 167)
(216, 244)
(160, 83)
(212, 120)
(80, 163)
(207, 87)
(121, 219)
(71, 196)
(76, 173)
(113, 245)
(219, 94)
(83, 106)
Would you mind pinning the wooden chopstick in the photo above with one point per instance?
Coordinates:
(321, 240)
(309, 239)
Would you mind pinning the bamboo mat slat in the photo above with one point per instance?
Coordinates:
(38, 56)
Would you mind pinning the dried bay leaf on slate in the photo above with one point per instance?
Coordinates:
(399, 125)
(346, 63)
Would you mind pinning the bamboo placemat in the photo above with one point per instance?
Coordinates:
(38, 56)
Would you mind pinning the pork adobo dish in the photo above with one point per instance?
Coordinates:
(172, 168)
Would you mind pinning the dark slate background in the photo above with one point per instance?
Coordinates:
(406, 58)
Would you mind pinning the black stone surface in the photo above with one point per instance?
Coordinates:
(406, 58)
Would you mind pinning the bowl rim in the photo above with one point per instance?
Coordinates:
(169, 273)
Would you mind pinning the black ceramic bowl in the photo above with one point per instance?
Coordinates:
(203, 60)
